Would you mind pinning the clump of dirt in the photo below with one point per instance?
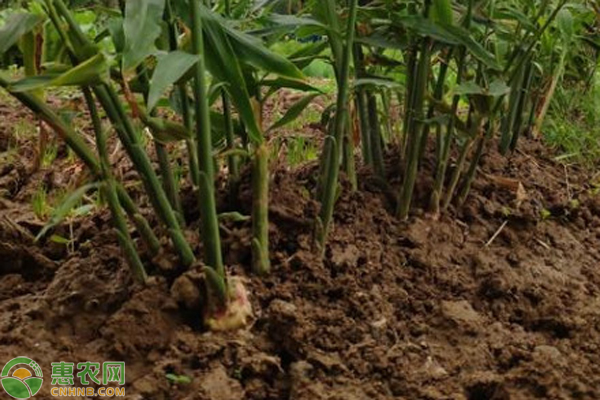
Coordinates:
(423, 309)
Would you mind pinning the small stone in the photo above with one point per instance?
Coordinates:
(462, 314)
(145, 385)
(217, 385)
(345, 256)
(460, 311)
(283, 309)
(433, 370)
(544, 353)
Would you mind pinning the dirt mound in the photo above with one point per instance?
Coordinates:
(497, 301)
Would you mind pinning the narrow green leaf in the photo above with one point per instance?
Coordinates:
(454, 35)
(294, 21)
(297, 84)
(215, 91)
(55, 68)
(442, 12)
(309, 50)
(468, 88)
(233, 216)
(115, 27)
(89, 72)
(59, 239)
(217, 129)
(510, 13)
(170, 68)
(64, 209)
(164, 130)
(426, 27)
(32, 83)
(566, 25)
(496, 89)
(250, 49)
(17, 26)
(141, 27)
(223, 63)
(307, 54)
(326, 13)
(178, 379)
(83, 210)
(476, 49)
(294, 111)
(377, 83)
(400, 43)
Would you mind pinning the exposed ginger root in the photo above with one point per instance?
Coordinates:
(237, 312)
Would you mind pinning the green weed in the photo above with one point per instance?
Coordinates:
(300, 150)
(573, 124)
(39, 202)
(49, 155)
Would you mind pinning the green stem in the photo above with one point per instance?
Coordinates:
(411, 66)
(132, 257)
(363, 117)
(446, 143)
(348, 156)
(208, 209)
(409, 98)
(556, 76)
(324, 162)
(169, 183)
(335, 42)
(521, 106)
(260, 211)
(534, 41)
(168, 179)
(131, 142)
(80, 148)
(462, 157)
(361, 107)
(386, 102)
(464, 151)
(233, 164)
(117, 191)
(129, 137)
(470, 176)
(415, 130)
(333, 164)
(437, 95)
(533, 106)
(138, 220)
(181, 91)
(508, 122)
(375, 135)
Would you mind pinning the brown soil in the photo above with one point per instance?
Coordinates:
(424, 309)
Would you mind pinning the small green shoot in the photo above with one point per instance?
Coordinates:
(178, 379)
(24, 129)
(39, 203)
(545, 214)
(300, 150)
(50, 154)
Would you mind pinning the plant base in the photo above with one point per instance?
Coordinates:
(237, 312)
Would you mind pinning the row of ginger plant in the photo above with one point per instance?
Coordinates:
(480, 59)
